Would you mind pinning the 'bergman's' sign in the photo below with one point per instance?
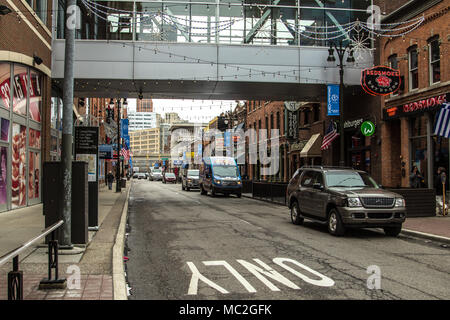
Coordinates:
(380, 80)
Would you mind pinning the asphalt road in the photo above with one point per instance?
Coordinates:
(188, 246)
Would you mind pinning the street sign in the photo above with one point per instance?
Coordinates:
(333, 100)
(368, 128)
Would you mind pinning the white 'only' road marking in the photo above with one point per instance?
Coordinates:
(260, 273)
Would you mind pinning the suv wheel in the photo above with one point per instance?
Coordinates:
(295, 214)
(335, 226)
(392, 231)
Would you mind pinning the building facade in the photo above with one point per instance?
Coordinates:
(145, 141)
(409, 115)
(25, 100)
(144, 105)
(142, 120)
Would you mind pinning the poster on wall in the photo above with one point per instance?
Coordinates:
(20, 90)
(18, 183)
(34, 175)
(5, 86)
(34, 138)
(3, 172)
(35, 96)
(91, 160)
(4, 130)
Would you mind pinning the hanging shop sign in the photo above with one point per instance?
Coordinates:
(416, 107)
(380, 80)
(291, 118)
(333, 97)
(353, 123)
(368, 128)
(292, 105)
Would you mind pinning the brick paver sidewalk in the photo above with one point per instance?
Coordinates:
(92, 287)
(439, 225)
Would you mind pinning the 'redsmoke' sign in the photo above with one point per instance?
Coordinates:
(380, 80)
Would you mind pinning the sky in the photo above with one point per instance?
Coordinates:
(191, 110)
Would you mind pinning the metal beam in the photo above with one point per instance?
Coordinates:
(252, 33)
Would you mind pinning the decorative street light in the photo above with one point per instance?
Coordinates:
(341, 50)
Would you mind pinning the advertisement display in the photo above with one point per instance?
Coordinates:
(3, 172)
(34, 175)
(35, 96)
(380, 80)
(18, 175)
(20, 90)
(91, 160)
(5, 86)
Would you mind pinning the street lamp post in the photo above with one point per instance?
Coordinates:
(118, 181)
(350, 59)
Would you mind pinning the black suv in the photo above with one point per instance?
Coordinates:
(342, 198)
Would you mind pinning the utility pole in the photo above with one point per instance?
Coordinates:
(67, 125)
(118, 177)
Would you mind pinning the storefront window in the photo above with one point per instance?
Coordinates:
(20, 90)
(5, 86)
(4, 130)
(35, 96)
(34, 175)
(418, 131)
(3, 172)
(34, 139)
(18, 166)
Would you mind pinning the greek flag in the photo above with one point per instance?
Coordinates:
(442, 127)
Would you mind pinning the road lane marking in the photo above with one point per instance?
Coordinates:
(260, 273)
(196, 276)
(268, 272)
(233, 271)
(323, 282)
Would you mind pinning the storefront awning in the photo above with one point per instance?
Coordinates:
(312, 147)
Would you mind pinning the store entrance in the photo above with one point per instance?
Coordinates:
(358, 155)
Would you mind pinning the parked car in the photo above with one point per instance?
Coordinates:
(189, 179)
(141, 175)
(135, 175)
(220, 175)
(169, 177)
(156, 175)
(343, 198)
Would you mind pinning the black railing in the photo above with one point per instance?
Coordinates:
(270, 191)
(15, 277)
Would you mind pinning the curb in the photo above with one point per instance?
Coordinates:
(424, 235)
(119, 283)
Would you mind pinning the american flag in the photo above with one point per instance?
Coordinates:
(442, 127)
(125, 153)
(330, 135)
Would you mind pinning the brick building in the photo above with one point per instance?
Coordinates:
(25, 104)
(144, 105)
(408, 137)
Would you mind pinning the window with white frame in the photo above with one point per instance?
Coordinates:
(434, 60)
(413, 68)
(393, 63)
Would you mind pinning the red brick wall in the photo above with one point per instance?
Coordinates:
(395, 137)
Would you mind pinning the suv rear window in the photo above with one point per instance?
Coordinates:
(308, 179)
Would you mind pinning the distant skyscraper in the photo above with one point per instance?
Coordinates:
(144, 105)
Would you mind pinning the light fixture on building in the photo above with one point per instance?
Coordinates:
(37, 60)
(4, 10)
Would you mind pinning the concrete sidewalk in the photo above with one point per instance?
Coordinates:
(95, 261)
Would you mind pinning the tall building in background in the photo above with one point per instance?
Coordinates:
(142, 120)
(144, 105)
(145, 141)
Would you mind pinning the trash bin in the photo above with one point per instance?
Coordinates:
(124, 183)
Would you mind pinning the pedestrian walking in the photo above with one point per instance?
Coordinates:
(415, 178)
(441, 186)
(110, 179)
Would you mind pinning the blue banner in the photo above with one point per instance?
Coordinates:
(333, 100)
(227, 138)
(124, 128)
